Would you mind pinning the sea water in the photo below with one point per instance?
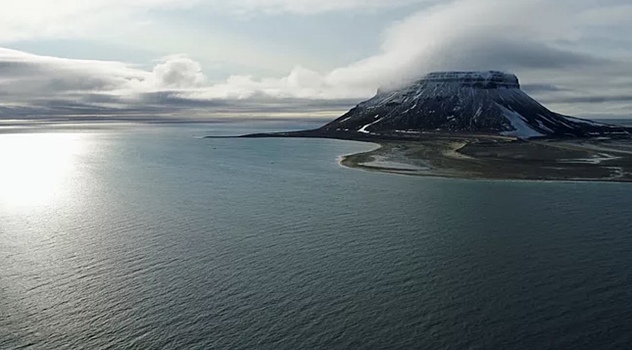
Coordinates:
(152, 237)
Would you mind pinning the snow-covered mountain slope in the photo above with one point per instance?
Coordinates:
(464, 102)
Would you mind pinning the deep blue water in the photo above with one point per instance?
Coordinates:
(150, 237)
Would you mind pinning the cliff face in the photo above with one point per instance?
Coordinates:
(463, 102)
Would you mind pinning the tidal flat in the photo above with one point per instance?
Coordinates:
(488, 157)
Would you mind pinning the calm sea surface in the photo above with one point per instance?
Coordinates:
(151, 237)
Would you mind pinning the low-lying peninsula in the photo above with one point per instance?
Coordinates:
(477, 125)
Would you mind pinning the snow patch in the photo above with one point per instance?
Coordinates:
(364, 128)
(344, 120)
(594, 159)
(388, 163)
(479, 111)
(617, 172)
(409, 109)
(544, 127)
(522, 129)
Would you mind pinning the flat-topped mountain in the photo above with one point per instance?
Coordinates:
(463, 102)
(475, 125)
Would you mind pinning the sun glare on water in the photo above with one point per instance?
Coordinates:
(37, 169)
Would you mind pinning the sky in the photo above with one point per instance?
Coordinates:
(312, 58)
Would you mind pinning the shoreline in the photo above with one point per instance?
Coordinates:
(457, 159)
(486, 156)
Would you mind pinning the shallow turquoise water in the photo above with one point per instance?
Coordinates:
(152, 237)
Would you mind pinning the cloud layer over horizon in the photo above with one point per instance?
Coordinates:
(564, 53)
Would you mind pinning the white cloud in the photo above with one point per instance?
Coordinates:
(443, 36)
(178, 72)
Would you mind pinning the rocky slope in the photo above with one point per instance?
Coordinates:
(464, 102)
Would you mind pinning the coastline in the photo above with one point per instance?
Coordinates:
(499, 159)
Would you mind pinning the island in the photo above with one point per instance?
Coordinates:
(477, 125)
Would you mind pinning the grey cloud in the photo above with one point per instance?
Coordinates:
(534, 88)
(173, 101)
(29, 76)
(594, 99)
(486, 53)
(35, 87)
(162, 106)
(96, 98)
(82, 83)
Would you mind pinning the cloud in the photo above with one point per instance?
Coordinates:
(492, 34)
(33, 86)
(615, 14)
(541, 88)
(460, 35)
(510, 54)
(597, 99)
(58, 76)
(316, 6)
(27, 19)
(469, 34)
(454, 35)
(41, 85)
(23, 74)
(179, 72)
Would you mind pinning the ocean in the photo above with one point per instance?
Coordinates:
(125, 236)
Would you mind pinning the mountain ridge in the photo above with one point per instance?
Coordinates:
(464, 102)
